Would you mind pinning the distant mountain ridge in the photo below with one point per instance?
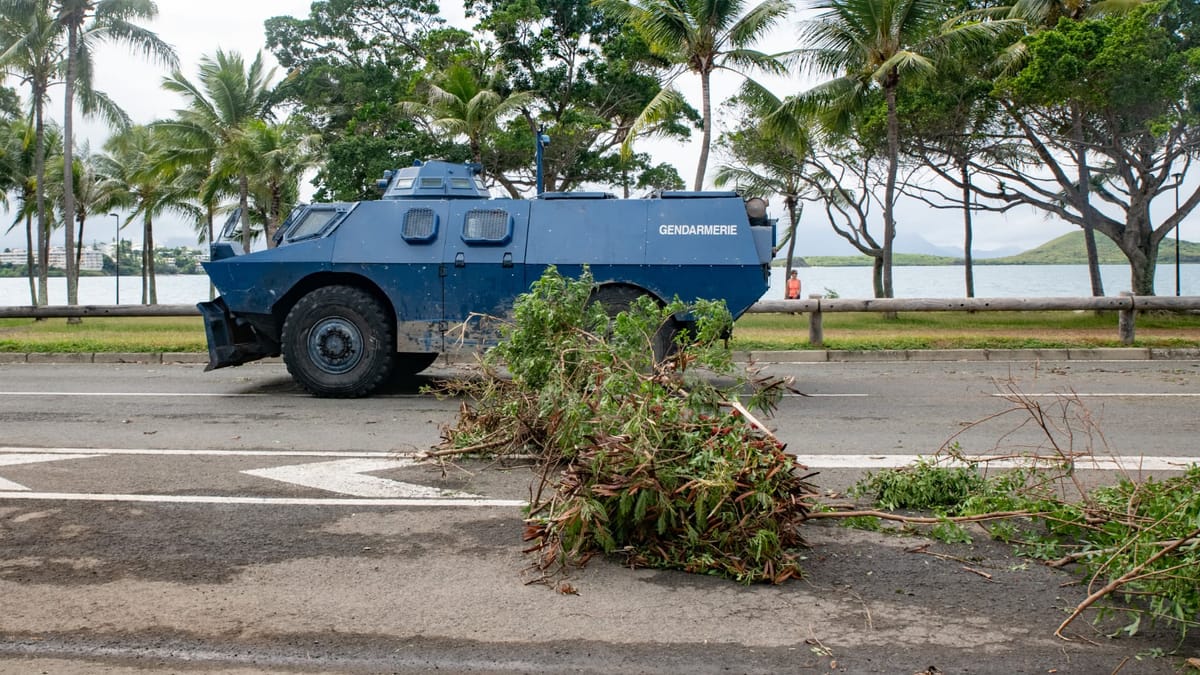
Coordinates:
(1065, 250)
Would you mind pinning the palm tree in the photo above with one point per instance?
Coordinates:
(33, 53)
(768, 154)
(868, 46)
(137, 176)
(282, 155)
(227, 96)
(87, 23)
(92, 195)
(17, 151)
(703, 36)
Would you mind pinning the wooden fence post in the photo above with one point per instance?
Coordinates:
(1125, 321)
(816, 330)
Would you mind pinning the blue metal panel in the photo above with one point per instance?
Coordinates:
(596, 232)
(253, 283)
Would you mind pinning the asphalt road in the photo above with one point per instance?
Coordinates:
(159, 518)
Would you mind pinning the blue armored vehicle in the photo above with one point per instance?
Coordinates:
(355, 292)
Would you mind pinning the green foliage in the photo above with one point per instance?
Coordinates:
(349, 63)
(1143, 536)
(646, 459)
(950, 532)
(923, 486)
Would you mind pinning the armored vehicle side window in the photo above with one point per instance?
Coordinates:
(461, 183)
(431, 182)
(420, 226)
(487, 226)
(315, 222)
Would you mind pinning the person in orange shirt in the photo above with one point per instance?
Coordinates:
(793, 286)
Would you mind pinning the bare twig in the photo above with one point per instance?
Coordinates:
(981, 573)
(1122, 580)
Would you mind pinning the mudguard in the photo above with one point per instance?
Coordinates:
(231, 341)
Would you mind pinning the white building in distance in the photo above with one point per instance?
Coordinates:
(91, 259)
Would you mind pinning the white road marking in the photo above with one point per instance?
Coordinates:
(791, 395)
(345, 476)
(154, 394)
(13, 459)
(268, 501)
(182, 394)
(897, 461)
(214, 453)
(1074, 394)
(374, 491)
(874, 461)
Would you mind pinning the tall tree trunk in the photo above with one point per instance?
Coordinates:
(79, 247)
(968, 261)
(244, 205)
(39, 170)
(210, 232)
(29, 260)
(1084, 203)
(69, 167)
(706, 140)
(145, 276)
(274, 217)
(877, 275)
(1142, 268)
(889, 193)
(152, 278)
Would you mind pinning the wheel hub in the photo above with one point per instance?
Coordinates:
(335, 345)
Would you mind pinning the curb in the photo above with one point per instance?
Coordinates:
(790, 356)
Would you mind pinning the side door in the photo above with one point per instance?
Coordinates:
(483, 269)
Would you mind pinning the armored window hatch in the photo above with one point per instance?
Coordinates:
(420, 226)
(487, 227)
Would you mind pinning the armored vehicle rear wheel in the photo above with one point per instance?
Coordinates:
(338, 342)
(617, 299)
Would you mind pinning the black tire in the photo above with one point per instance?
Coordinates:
(617, 299)
(338, 342)
(411, 363)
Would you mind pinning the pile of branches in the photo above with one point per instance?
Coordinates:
(645, 459)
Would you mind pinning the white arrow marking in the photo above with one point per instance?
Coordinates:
(345, 476)
(14, 459)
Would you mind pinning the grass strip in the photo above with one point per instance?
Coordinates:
(860, 331)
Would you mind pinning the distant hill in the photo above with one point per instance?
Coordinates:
(1069, 250)
(1065, 250)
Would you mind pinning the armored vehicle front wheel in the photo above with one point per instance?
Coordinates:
(338, 342)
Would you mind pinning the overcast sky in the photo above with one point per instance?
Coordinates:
(199, 28)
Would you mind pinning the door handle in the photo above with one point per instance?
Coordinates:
(507, 261)
(460, 259)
